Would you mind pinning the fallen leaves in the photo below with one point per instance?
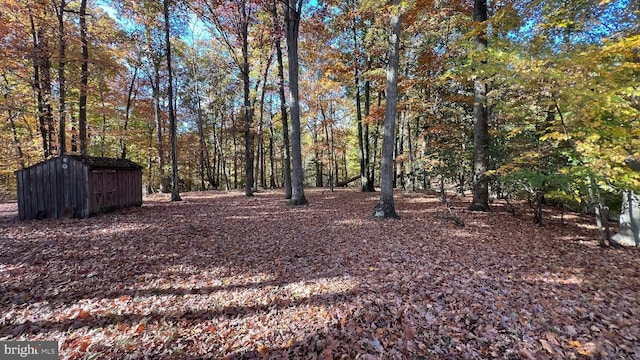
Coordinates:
(222, 276)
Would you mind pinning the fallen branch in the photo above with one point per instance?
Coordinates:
(452, 214)
(348, 181)
(510, 207)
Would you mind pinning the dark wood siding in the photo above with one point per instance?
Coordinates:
(89, 185)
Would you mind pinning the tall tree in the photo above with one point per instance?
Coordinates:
(84, 79)
(292, 20)
(386, 207)
(283, 105)
(62, 46)
(481, 139)
(245, 11)
(232, 21)
(127, 112)
(149, 13)
(42, 83)
(175, 192)
(363, 136)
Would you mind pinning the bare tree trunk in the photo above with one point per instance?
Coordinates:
(283, 108)
(356, 77)
(376, 136)
(481, 126)
(62, 146)
(412, 156)
(175, 192)
(127, 112)
(235, 152)
(84, 79)
(155, 85)
(259, 173)
(12, 115)
(385, 207)
(201, 141)
(103, 132)
(400, 152)
(317, 158)
(150, 127)
(248, 111)
(272, 160)
(334, 156)
(329, 145)
(222, 161)
(37, 85)
(292, 20)
(365, 135)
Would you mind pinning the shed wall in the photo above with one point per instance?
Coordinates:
(46, 188)
(111, 189)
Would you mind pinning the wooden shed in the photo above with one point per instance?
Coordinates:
(80, 186)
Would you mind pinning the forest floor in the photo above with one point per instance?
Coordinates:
(220, 275)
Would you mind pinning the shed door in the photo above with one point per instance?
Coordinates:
(103, 183)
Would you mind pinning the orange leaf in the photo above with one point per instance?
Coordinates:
(343, 321)
(211, 328)
(84, 345)
(262, 349)
(140, 328)
(84, 315)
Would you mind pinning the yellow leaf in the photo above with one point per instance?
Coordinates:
(575, 343)
(587, 349)
(289, 343)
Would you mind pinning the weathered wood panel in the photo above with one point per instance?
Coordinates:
(20, 185)
(84, 209)
(33, 192)
(59, 185)
(89, 185)
(49, 195)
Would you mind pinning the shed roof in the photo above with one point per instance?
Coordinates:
(105, 163)
(93, 162)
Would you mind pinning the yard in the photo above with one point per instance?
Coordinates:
(221, 275)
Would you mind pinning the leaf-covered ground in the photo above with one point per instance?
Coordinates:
(220, 275)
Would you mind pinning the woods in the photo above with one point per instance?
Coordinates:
(360, 179)
(519, 100)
